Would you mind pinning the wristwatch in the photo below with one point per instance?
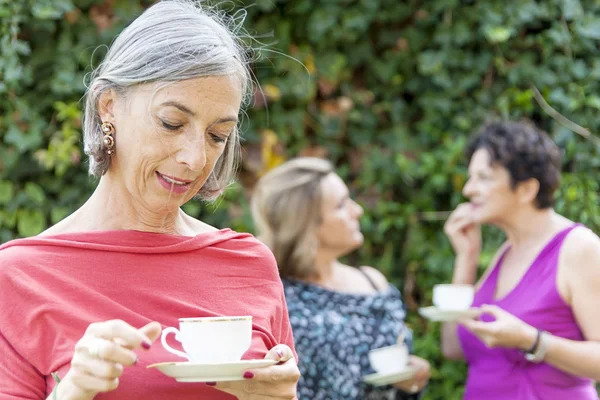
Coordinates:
(537, 353)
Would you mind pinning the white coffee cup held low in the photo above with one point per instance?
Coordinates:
(211, 340)
(453, 297)
(389, 359)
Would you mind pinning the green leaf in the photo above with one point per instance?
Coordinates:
(7, 192)
(35, 193)
(590, 28)
(30, 222)
(58, 213)
(320, 23)
(45, 9)
(8, 218)
(431, 62)
(23, 141)
(265, 5)
(572, 9)
(593, 101)
(497, 34)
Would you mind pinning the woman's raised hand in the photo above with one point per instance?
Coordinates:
(463, 232)
(100, 356)
(275, 382)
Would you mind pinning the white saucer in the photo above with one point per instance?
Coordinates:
(436, 314)
(220, 372)
(382, 379)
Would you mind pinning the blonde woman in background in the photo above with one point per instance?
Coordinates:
(304, 213)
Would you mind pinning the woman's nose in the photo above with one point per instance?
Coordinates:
(358, 210)
(192, 155)
(469, 188)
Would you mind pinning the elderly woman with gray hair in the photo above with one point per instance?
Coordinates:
(85, 300)
(304, 213)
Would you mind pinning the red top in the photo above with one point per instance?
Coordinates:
(52, 288)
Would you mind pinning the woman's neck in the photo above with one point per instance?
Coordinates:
(325, 267)
(530, 226)
(112, 207)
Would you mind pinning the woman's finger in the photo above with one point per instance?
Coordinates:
(422, 366)
(457, 225)
(280, 353)
(421, 375)
(127, 334)
(107, 350)
(90, 383)
(477, 327)
(409, 386)
(278, 381)
(96, 367)
(152, 331)
(283, 372)
(492, 310)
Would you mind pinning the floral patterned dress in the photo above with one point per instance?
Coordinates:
(334, 333)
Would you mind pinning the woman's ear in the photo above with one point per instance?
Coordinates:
(106, 102)
(528, 190)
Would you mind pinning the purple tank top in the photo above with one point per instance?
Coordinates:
(501, 374)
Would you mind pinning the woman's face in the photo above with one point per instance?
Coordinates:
(339, 230)
(167, 143)
(489, 190)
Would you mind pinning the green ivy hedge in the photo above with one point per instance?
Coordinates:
(388, 90)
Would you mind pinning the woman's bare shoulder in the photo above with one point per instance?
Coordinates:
(581, 250)
(376, 276)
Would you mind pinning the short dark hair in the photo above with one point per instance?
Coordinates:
(525, 151)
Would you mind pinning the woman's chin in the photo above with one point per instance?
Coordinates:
(164, 204)
(359, 239)
(482, 219)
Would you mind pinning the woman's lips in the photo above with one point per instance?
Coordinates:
(172, 184)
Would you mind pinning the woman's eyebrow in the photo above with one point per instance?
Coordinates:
(179, 106)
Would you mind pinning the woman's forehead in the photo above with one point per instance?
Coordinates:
(192, 95)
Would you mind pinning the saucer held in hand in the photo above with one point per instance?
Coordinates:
(388, 378)
(391, 364)
(442, 315)
(210, 372)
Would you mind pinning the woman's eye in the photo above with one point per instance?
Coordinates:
(171, 127)
(217, 138)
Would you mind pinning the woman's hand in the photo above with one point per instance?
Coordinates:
(463, 232)
(418, 382)
(506, 331)
(275, 382)
(100, 356)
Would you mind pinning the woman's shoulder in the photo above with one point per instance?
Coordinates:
(246, 243)
(245, 248)
(375, 276)
(18, 251)
(581, 248)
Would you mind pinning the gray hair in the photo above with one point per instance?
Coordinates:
(286, 207)
(174, 40)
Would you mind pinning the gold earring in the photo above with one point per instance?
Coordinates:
(108, 140)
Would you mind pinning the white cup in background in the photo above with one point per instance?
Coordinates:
(211, 339)
(453, 297)
(389, 359)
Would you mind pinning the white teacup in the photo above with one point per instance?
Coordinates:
(211, 340)
(453, 297)
(389, 359)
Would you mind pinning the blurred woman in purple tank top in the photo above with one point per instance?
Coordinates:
(539, 337)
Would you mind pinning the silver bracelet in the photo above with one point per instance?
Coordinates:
(539, 353)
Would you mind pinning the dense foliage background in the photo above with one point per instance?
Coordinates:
(388, 90)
